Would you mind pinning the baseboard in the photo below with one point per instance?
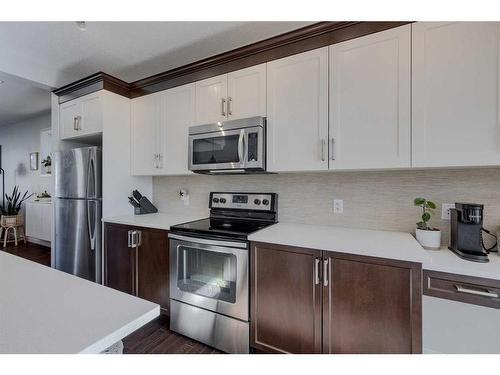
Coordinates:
(38, 241)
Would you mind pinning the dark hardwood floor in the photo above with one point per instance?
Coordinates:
(36, 253)
(154, 337)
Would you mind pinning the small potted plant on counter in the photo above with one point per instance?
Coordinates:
(47, 164)
(428, 237)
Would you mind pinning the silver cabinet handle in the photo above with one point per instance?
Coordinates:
(316, 271)
(223, 107)
(129, 238)
(229, 100)
(326, 274)
(333, 148)
(323, 150)
(75, 124)
(159, 160)
(487, 293)
(138, 238)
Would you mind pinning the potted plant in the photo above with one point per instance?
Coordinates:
(13, 205)
(47, 164)
(428, 237)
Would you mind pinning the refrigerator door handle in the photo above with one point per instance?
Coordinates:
(91, 176)
(91, 222)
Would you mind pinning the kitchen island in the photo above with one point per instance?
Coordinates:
(43, 310)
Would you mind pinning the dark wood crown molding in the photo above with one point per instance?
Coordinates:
(304, 39)
(95, 82)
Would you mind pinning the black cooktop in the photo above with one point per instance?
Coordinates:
(221, 227)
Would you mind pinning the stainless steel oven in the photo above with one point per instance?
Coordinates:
(209, 291)
(236, 146)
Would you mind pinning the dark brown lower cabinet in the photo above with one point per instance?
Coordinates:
(311, 301)
(285, 300)
(136, 262)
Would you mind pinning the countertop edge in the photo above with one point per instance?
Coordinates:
(114, 337)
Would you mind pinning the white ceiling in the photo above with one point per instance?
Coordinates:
(52, 54)
(21, 99)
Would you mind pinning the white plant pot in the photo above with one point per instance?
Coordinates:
(429, 239)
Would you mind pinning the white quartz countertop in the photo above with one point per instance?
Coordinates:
(444, 260)
(157, 220)
(375, 243)
(43, 310)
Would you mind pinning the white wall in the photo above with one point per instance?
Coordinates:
(18, 141)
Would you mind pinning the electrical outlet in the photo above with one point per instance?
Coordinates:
(338, 206)
(445, 210)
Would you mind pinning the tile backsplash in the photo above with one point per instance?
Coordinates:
(374, 200)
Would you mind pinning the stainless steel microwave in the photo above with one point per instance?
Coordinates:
(236, 146)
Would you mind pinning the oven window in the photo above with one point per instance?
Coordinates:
(216, 150)
(207, 273)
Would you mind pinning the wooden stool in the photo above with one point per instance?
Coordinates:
(14, 224)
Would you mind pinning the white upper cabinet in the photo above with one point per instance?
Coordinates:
(179, 104)
(232, 96)
(145, 134)
(82, 116)
(246, 92)
(370, 101)
(455, 94)
(297, 112)
(211, 100)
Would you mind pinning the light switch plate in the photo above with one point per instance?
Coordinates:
(338, 206)
(445, 210)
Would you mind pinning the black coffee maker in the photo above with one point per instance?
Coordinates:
(466, 225)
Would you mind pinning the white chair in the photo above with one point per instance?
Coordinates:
(14, 224)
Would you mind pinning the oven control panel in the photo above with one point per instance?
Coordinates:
(244, 201)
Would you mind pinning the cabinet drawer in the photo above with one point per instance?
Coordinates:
(468, 289)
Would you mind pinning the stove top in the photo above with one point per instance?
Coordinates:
(221, 227)
(233, 215)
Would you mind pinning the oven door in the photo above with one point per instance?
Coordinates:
(210, 274)
(235, 149)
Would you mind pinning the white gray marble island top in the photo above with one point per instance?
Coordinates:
(43, 310)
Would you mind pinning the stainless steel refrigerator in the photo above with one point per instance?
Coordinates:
(78, 212)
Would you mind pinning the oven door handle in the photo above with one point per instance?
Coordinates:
(240, 245)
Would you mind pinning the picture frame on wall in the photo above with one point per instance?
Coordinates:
(34, 161)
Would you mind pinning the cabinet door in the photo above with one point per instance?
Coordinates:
(246, 90)
(455, 94)
(46, 221)
(69, 114)
(285, 299)
(179, 106)
(33, 220)
(91, 114)
(370, 101)
(297, 107)
(211, 100)
(372, 307)
(146, 122)
(153, 267)
(119, 259)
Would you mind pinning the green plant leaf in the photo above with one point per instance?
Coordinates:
(430, 204)
(421, 225)
(419, 201)
(426, 217)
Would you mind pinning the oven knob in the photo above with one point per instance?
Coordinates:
(256, 201)
(215, 200)
(223, 200)
(265, 202)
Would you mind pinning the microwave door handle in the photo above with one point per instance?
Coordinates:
(241, 147)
